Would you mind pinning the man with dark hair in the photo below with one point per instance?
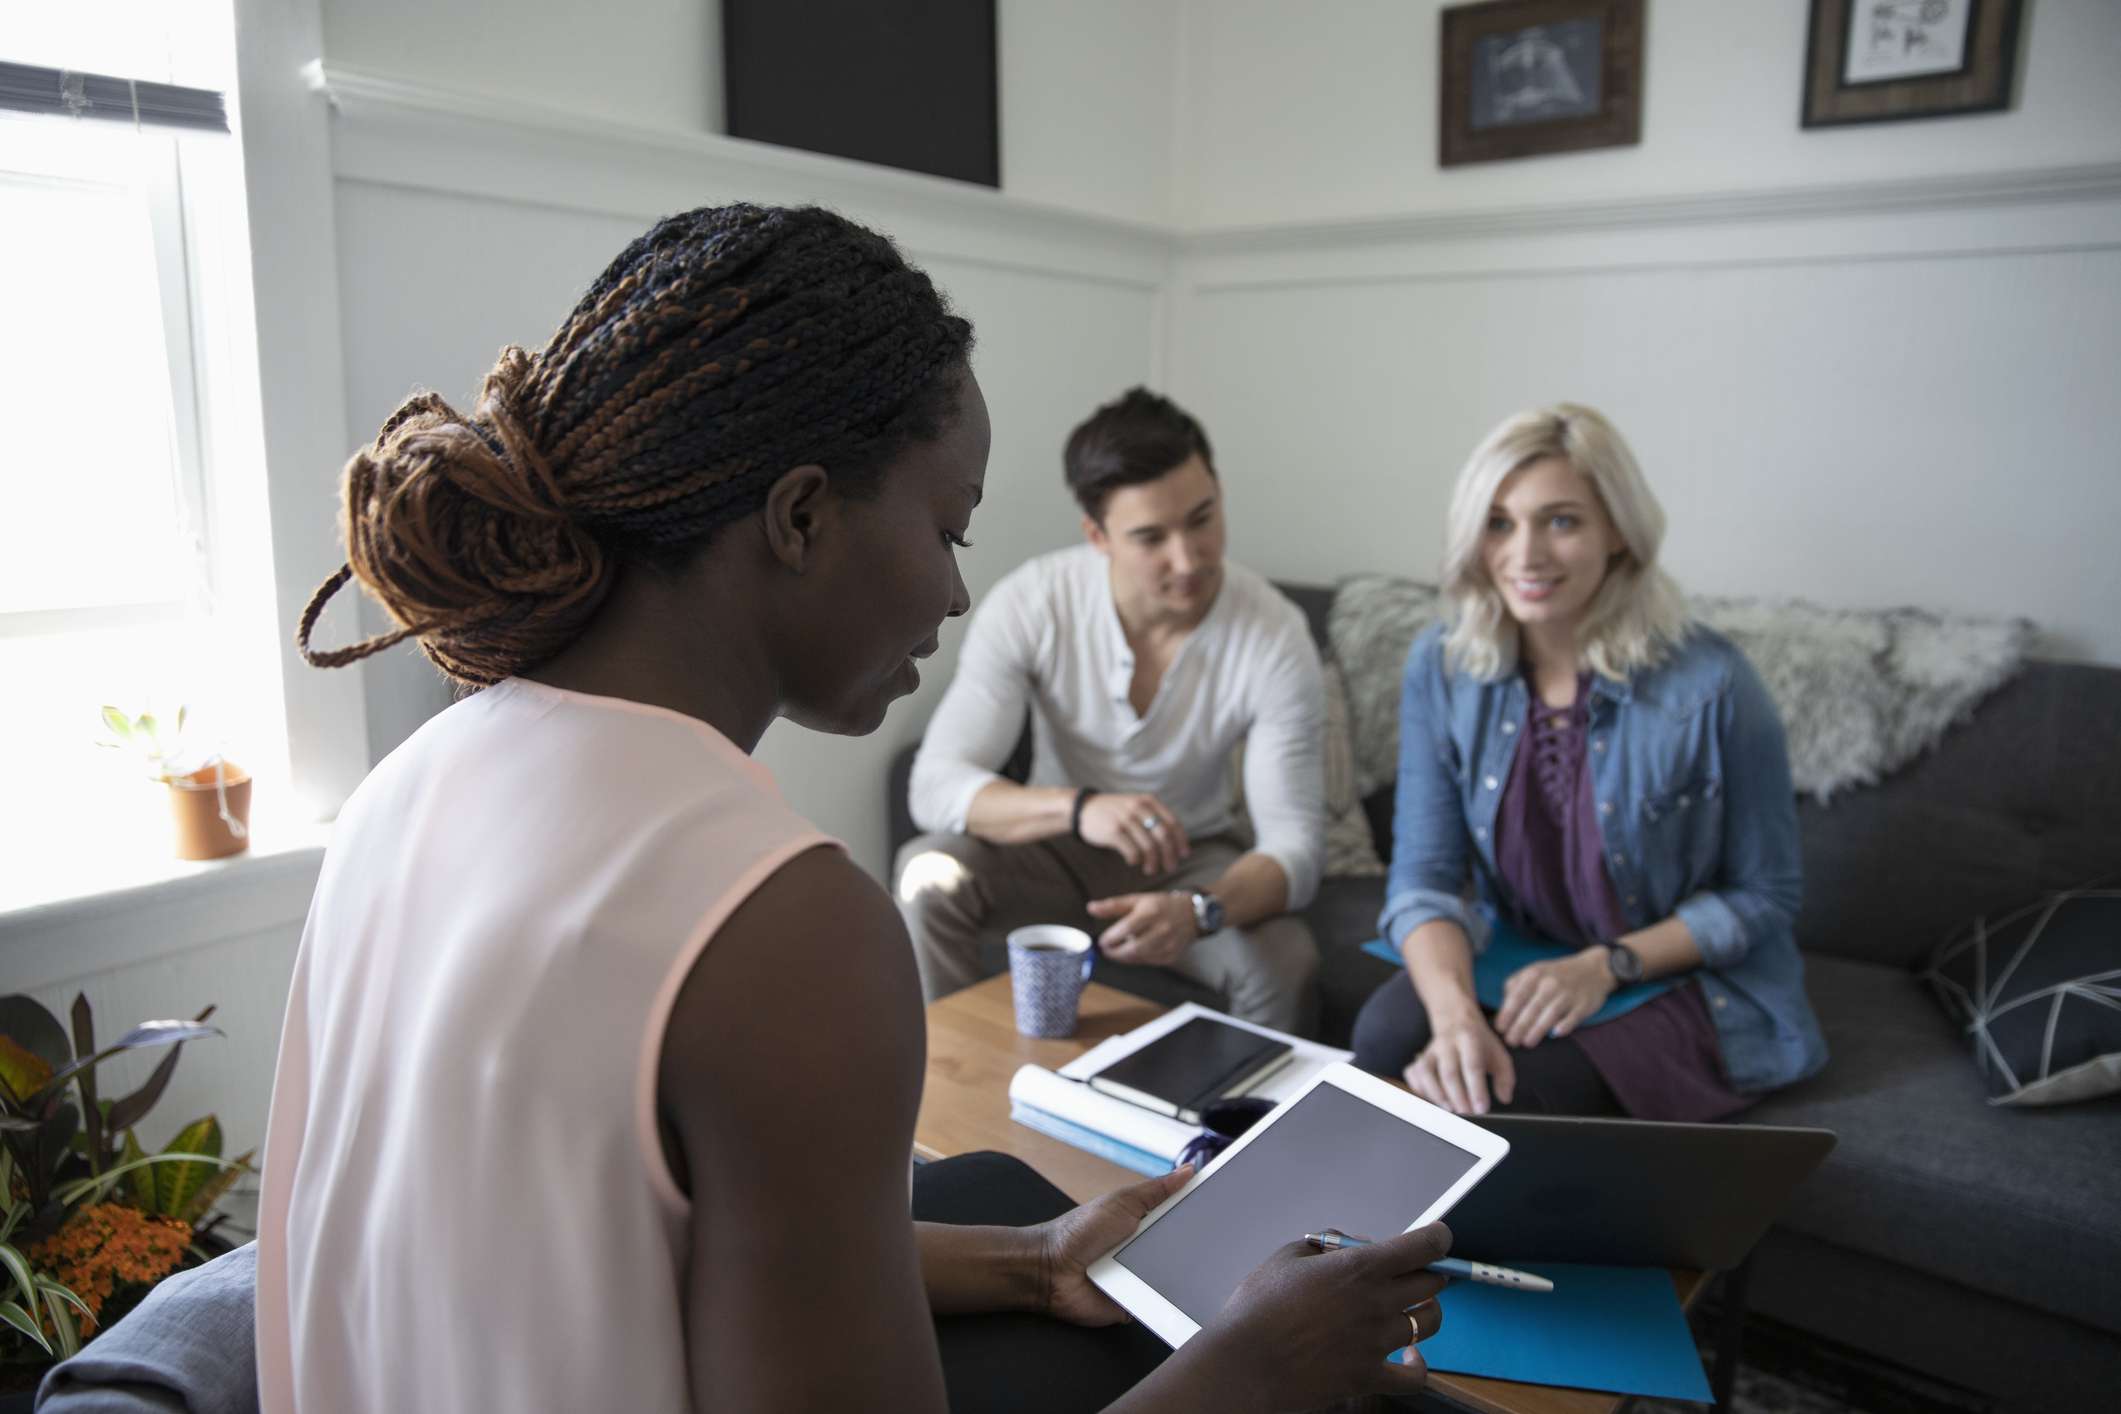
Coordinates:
(1145, 661)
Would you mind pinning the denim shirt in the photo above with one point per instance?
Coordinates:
(1699, 819)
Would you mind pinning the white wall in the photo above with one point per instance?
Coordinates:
(1086, 88)
(1089, 104)
(1878, 377)
(1328, 110)
(657, 63)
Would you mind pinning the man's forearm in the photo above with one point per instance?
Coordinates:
(1252, 889)
(971, 1270)
(1006, 813)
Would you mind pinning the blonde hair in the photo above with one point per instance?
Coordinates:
(1638, 615)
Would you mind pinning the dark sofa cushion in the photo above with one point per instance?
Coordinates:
(2016, 1202)
(2022, 800)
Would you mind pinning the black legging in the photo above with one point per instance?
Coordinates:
(1014, 1361)
(1553, 1077)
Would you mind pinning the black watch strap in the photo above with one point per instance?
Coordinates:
(1075, 816)
(1623, 962)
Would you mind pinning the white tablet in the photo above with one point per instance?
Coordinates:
(1347, 1151)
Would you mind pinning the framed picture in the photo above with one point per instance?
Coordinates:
(1874, 61)
(1525, 77)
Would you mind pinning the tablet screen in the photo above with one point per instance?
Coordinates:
(1331, 1161)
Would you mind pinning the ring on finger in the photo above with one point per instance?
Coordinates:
(1413, 1314)
(1151, 824)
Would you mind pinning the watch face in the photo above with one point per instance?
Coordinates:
(1207, 913)
(1625, 965)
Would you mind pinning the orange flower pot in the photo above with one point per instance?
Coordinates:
(196, 807)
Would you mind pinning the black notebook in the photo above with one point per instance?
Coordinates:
(1182, 1073)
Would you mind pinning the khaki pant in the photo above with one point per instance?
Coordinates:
(957, 892)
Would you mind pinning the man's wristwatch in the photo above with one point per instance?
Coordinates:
(1624, 963)
(1075, 813)
(1207, 912)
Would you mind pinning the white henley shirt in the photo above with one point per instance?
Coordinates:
(1048, 638)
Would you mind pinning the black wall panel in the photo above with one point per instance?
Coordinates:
(905, 83)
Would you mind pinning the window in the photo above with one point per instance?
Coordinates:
(105, 484)
(131, 496)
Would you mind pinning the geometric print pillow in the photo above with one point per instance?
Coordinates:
(2038, 992)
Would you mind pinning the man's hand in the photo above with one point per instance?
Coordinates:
(1140, 828)
(1078, 1237)
(1153, 928)
(1553, 998)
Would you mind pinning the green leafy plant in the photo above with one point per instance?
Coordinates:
(160, 746)
(64, 1148)
(38, 1295)
(187, 1178)
(40, 1069)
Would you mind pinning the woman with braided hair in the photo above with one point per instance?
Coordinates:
(601, 1064)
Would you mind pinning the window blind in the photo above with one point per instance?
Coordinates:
(68, 93)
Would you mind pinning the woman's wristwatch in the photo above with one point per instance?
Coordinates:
(1624, 963)
(1207, 912)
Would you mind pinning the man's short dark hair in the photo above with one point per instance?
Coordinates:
(1139, 437)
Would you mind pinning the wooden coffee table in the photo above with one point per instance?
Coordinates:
(973, 1050)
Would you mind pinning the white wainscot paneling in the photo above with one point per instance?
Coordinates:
(1898, 395)
(465, 223)
(226, 939)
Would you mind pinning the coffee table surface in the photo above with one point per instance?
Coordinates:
(973, 1050)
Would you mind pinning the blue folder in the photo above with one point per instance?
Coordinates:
(1508, 950)
(1618, 1329)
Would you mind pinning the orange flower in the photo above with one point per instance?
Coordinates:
(108, 1245)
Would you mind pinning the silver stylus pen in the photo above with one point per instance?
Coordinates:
(1481, 1272)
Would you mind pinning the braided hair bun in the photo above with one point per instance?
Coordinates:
(720, 349)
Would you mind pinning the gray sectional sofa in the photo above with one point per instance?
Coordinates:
(1977, 1245)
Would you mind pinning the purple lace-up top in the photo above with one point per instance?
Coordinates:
(1660, 1060)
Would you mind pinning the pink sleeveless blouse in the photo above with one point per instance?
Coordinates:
(465, 1203)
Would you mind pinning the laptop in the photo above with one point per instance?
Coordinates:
(1630, 1192)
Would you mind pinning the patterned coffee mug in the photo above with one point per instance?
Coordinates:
(1048, 965)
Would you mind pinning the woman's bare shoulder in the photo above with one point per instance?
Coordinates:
(807, 997)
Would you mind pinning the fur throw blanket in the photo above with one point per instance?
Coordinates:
(1862, 692)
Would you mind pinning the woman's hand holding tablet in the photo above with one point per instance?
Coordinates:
(1224, 1257)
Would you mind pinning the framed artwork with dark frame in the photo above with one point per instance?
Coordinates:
(1877, 61)
(1526, 77)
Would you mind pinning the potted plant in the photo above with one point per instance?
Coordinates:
(209, 796)
(89, 1221)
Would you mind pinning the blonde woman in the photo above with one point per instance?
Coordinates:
(1614, 779)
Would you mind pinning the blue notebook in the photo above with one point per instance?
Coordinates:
(1508, 950)
(1618, 1329)
(1089, 1140)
